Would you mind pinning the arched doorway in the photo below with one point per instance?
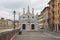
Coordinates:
(32, 26)
(23, 26)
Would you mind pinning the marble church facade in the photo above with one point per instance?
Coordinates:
(28, 21)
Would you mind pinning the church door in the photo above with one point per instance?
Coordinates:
(23, 26)
(32, 26)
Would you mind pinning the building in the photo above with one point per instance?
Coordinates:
(54, 13)
(16, 24)
(45, 12)
(8, 24)
(28, 21)
(50, 18)
(59, 14)
(3, 23)
(43, 18)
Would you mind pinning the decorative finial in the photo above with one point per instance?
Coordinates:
(28, 8)
(19, 13)
(37, 13)
(32, 10)
(23, 10)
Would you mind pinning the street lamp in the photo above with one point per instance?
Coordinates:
(14, 12)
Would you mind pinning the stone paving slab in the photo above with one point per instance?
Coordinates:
(35, 36)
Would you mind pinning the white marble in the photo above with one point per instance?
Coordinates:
(28, 19)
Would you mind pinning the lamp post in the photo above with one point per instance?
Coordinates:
(14, 12)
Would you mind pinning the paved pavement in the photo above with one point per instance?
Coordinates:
(37, 36)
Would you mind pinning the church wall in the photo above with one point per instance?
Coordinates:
(28, 19)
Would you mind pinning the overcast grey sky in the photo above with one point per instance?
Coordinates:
(7, 7)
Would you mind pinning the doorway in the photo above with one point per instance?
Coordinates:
(32, 26)
(23, 26)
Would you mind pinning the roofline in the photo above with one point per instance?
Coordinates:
(44, 9)
(49, 1)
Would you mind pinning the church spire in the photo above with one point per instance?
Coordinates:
(28, 8)
(32, 10)
(19, 15)
(23, 10)
(37, 14)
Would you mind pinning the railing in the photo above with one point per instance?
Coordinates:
(7, 34)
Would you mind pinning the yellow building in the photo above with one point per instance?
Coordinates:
(59, 12)
(54, 15)
(50, 16)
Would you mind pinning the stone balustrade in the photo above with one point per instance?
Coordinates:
(8, 34)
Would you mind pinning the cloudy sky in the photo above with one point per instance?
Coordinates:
(8, 6)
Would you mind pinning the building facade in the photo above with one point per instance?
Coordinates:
(28, 21)
(3, 23)
(59, 13)
(16, 24)
(43, 18)
(45, 12)
(54, 13)
(8, 24)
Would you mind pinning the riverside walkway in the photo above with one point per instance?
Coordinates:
(37, 36)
